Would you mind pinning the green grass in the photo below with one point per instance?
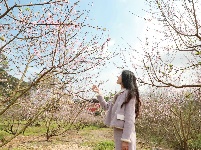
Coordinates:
(2, 126)
(35, 130)
(104, 145)
(41, 129)
(92, 127)
(18, 148)
(100, 145)
(196, 143)
(32, 130)
(3, 134)
(95, 139)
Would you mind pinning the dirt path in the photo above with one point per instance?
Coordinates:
(72, 140)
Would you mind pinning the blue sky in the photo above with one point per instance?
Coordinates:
(117, 17)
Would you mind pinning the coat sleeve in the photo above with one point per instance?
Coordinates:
(129, 118)
(105, 105)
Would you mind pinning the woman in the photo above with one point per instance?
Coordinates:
(122, 111)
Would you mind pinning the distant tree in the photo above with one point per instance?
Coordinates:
(3, 62)
(8, 83)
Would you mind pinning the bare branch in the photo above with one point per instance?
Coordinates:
(7, 11)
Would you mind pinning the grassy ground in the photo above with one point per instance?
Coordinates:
(90, 138)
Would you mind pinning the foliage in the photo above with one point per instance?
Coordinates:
(3, 61)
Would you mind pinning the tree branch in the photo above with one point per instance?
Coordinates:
(1, 49)
(7, 11)
(170, 84)
(196, 23)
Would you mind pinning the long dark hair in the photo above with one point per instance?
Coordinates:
(129, 82)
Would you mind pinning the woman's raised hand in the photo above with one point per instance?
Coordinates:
(95, 89)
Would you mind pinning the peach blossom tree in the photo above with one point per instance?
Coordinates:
(52, 40)
(169, 56)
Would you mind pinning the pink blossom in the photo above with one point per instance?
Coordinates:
(37, 53)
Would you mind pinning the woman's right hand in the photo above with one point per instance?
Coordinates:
(95, 89)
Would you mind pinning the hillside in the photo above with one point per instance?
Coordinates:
(8, 83)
